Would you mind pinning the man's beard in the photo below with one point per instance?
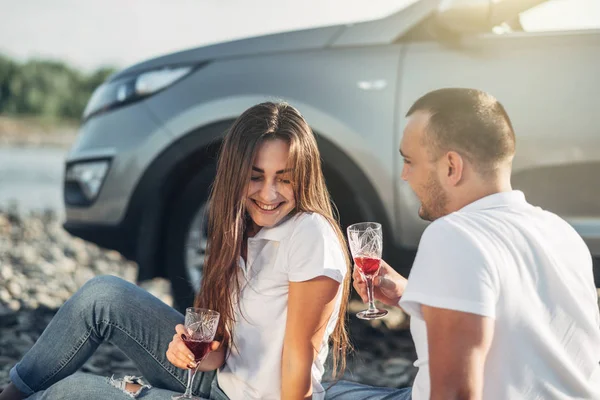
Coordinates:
(435, 206)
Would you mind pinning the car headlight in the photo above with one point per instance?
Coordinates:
(83, 181)
(129, 89)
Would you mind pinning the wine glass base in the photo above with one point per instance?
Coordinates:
(182, 397)
(373, 314)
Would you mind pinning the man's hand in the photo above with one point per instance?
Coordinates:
(388, 285)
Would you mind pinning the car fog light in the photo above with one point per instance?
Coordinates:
(89, 175)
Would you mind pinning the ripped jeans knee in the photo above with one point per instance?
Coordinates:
(95, 387)
(126, 384)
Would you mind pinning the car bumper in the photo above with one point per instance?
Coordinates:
(113, 237)
(128, 139)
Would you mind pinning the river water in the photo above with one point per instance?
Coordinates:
(32, 177)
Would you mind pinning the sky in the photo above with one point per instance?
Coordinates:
(89, 34)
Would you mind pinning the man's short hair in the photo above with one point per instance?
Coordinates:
(470, 122)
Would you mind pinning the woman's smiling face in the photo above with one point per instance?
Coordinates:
(270, 194)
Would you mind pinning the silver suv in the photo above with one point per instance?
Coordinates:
(138, 176)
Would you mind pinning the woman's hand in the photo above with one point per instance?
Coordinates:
(178, 353)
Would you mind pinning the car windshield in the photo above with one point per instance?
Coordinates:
(562, 15)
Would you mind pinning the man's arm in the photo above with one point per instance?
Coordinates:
(458, 347)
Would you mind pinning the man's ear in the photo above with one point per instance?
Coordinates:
(455, 168)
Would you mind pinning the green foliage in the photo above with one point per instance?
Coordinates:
(46, 88)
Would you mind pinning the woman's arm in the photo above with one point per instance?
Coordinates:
(310, 305)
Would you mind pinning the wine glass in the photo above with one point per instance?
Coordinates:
(201, 326)
(366, 244)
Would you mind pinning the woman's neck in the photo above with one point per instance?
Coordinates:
(252, 229)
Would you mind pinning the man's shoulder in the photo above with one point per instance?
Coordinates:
(461, 232)
(451, 226)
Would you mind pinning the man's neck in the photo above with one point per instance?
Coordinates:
(477, 192)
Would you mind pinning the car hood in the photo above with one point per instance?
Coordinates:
(375, 32)
(309, 39)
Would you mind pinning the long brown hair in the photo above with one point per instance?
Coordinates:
(227, 220)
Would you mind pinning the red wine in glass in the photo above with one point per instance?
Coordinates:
(366, 244)
(368, 265)
(201, 326)
(199, 348)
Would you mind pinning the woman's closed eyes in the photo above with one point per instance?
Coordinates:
(280, 180)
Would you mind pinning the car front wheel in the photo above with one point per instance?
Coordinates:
(186, 238)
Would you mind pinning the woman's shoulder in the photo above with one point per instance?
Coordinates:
(314, 229)
(311, 223)
(314, 245)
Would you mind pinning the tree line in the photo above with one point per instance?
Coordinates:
(46, 88)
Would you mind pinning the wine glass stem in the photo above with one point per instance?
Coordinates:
(369, 280)
(188, 389)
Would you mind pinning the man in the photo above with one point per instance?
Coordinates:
(501, 294)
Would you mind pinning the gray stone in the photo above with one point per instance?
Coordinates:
(4, 222)
(30, 255)
(82, 275)
(67, 266)
(31, 303)
(70, 285)
(82, 257)
(5, 296)
(47, 301)
(6, 272)
(14, 305)
(113, 256)
(55, 254)
(15, 289)
(63, 294)
(101, 266)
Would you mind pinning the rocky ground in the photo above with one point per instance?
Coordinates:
(41, 266)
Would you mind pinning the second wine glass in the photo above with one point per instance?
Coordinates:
(366, 244)
(201, 326)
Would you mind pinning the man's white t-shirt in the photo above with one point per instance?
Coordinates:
(301, 248)
(527, 269)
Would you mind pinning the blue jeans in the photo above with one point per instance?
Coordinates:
(344, 390)
(107, 309)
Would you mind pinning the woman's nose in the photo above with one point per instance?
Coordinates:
(268, 193)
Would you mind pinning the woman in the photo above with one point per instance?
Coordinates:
(277, 272)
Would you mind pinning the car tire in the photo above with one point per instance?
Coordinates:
(184, 210)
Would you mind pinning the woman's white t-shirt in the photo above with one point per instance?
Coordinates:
(301, 248)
